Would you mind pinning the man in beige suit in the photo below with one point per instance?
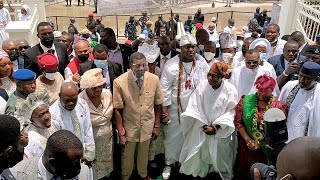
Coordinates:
(137, 98)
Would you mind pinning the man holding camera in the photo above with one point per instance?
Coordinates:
(302, 98)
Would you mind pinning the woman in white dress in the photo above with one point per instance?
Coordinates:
(25, 14)
(35, 112)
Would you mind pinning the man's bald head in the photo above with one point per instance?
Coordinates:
(82, 47)
(300, 158)
(8, 44)
(298, 36)
(69, 95)
(202, 36)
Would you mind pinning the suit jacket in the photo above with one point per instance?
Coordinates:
(31, 60)
(279, 65)
(7, 175)
(115, 70)
(173, 54)
(303, 51)
(126, 52)
(137, 104)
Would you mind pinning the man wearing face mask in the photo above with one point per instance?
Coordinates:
(60, 160)
(209, 52)
(214, 36)
(23, 48)
(82, 51)
(68, 39)
(272, 35)
(73, 114)
(239, 57)
(47, 44)
(110, 70)
(137, 99)
(11, 150)
(228, 48)
(240, 37)
(50, 80)
(198, 17)
(302, 98)
(118, 53)
(244, 77)
(26, 84)
(230, 27)
(287, 65)
(202, 37)
(12, 49)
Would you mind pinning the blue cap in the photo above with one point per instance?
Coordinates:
(310, 68)
(24, 75)
(318, 36)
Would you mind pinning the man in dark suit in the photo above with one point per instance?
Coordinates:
(11, 148)
(45, 34)
(118, 53)
(110, 70)
(287, 65)
(299, 37)
(166, 52)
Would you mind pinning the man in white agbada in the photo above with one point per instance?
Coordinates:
(73, 114)
(5, 18)
(265, 52)
(35, 111)
(209, 137)
(302, 98)
(243, 77)
(179, 79)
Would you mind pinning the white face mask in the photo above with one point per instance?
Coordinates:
(263, 56)
(208, 55)
(252, 71)
(226, 57)
(201, 47)
(50, 76)
(239, 44)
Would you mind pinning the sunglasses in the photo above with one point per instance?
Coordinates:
(24, 47)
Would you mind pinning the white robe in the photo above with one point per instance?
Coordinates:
(279, 47)
(201, 153)
(5, 18)
(61, 119)
(244, 81)
(169, 83)
(303, 112)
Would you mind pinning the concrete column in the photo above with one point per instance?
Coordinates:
(287, 15)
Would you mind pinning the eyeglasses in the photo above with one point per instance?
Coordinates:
(24, 47)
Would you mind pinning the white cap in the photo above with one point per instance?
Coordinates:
(57, 34)
(274, 115)
(213, 19)
(151, 52)
(245, 28)
(188, 39)
(142, 36)
(262, 42)
(228, 40)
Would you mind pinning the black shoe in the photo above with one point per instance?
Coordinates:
(229, 5)
(94, 11)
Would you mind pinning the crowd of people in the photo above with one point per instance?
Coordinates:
(81, 105)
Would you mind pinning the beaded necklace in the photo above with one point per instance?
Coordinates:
(258, 127)
(188, 84)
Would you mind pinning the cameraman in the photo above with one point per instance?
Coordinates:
(299, 160)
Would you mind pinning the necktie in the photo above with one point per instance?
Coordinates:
(139, 83)
(165, 59)
(51, 51)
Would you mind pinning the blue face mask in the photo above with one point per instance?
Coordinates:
(263, 56)
(101, 63)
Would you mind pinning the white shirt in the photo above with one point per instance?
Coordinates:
(45, 49)
(62, 119)
(228, 29)
(162, 60)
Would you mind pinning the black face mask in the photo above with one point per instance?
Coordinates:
(83, 57)
(68, 172)
(13, 55)
(47, 40)
(15, 156)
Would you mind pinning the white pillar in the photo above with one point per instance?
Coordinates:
(287, 15)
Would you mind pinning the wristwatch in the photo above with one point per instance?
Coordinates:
(156, 126)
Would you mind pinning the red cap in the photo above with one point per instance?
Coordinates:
(47, 60)
(198, 26)
(128, 42)
(90, 14)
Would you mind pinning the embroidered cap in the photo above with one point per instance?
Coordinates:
(310, 68)
(265, 83)
(228, 40)
(47, 60)
(219, 68)
(24, 75)
(187, 39)
(92, 78)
